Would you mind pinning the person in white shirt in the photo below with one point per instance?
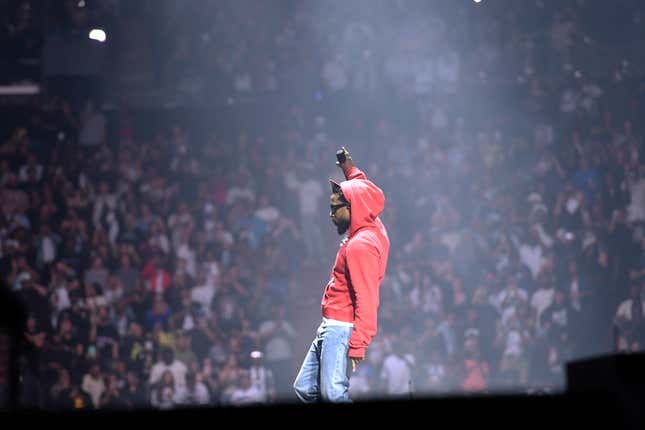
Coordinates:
(628, 308)
(266, 211)
(277, 334)
(245, 393)
(47, 244)
(261, 377)
(513, 339)
(194, 393)
(309, 192)
(242, 190)
(168, 362)
(510, 298)
(184, 251)
(396, 373)
(203, 293)
(93, 384)
(636, 207)
(532, 252)
(542, 298)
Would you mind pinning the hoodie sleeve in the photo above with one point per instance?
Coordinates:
(363, 265)
(354, 173)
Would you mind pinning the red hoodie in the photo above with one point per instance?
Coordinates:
(352, 293)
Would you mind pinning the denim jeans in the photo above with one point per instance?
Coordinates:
(324, 375)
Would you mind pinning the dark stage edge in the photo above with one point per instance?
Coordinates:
(602, 393)
(599, 410)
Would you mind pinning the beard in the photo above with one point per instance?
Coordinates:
(342, 226)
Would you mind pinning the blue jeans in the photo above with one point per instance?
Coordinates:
(324, 374)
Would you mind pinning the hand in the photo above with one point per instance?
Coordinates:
(355, 362)
(348, 160)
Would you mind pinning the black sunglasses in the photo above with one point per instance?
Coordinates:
(334, 208)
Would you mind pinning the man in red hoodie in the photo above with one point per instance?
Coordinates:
(351, 297)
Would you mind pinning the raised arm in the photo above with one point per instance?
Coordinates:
(346, 164)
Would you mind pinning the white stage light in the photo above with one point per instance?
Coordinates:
(97, 34)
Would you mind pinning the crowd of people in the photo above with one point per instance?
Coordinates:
(243, 49)
(156, 260)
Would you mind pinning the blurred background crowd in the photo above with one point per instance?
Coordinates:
(165, 219)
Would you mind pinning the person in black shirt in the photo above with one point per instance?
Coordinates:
(134, 394)
(107, 337)
(132, 348)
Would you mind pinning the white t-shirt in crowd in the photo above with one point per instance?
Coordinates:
(177, 368)
(262, 379)
(636, 207)
(268, 214)
(62, 296)
(236, 193)
(309, 192)
(532, 257)
(198, 396)
(625, 309)
(513, 345)
(277, 347)
(93, 387)
(396, 375)
(542, 299)
(184, 251)
(203, 295)
(48, 249)
(241, 396)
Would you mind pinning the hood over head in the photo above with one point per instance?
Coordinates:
(366, 201)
